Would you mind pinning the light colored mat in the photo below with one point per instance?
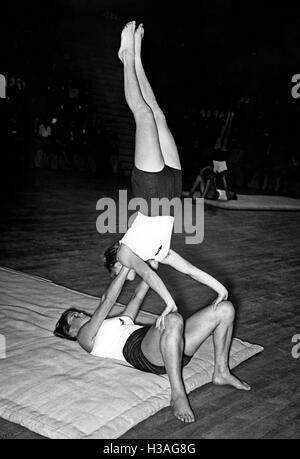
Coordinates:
(53, 387)
(255, 202)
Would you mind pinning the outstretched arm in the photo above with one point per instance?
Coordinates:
(89, 330)
(129, 259)
(138, 297)
(184, 266)
(205, 187)
(136, 300)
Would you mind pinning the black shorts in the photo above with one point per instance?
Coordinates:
(164, 184)
(133, 353)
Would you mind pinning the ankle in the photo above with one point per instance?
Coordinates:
(221, 370)
(178, 394)
(127, 55)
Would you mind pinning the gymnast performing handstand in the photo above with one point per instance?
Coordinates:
(156, 174)
(164, 348)
(148, 349)
(212, 179)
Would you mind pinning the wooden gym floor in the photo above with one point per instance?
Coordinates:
(50, 231)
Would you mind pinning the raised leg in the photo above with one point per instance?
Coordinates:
(199, 183)
(166, 139)
(228, 133)
(165, 348)
(219, 323)
(222, 140)
(148, 154)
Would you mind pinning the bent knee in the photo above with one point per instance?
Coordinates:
(226, 310)
(173, 320)
(143, 113)
(159, 115)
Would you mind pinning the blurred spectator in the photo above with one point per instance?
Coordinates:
(45, 130)
(292, 177)
(206, 183)
(236, 162)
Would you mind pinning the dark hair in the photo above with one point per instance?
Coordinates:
(62, 327)
(110, 256)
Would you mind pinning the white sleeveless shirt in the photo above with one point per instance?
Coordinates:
(112, 336)
(150, 237)
(220, 166)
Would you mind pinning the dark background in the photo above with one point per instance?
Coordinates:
(232, 47)
(202, 55)
(205, 54)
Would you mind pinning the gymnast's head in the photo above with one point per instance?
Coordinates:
(113, 265)
(70, 323)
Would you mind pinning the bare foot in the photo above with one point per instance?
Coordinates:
(182, 409)
(227, 379)
(139, 34)
(127, 40)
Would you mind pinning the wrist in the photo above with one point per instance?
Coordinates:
(222, 291)
(171, 304)
(124, 270)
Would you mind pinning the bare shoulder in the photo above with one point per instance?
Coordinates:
(84, 338)
(128, 258)
(124, 254)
